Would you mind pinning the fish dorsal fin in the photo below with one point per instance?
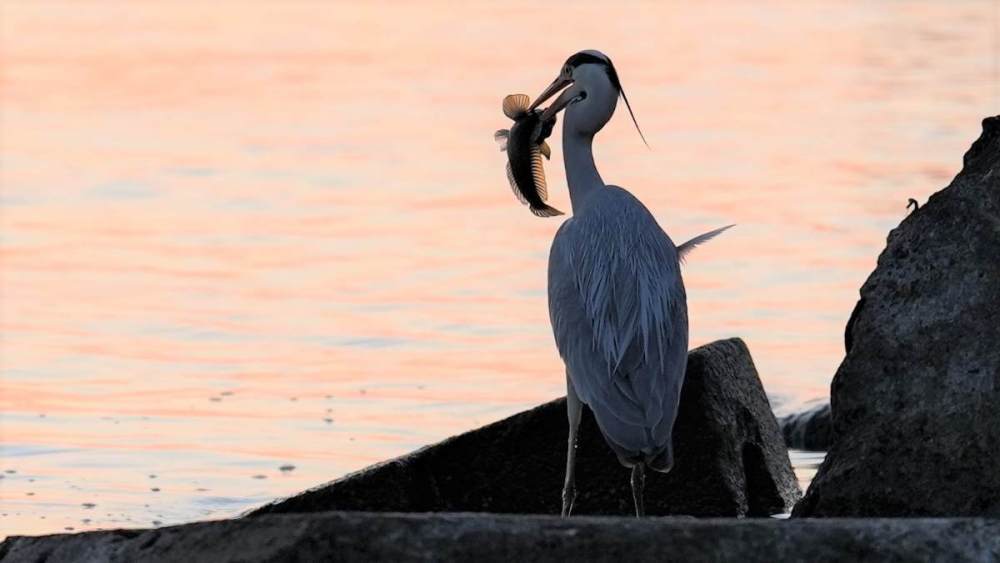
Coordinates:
(513, 186)
(516, 105)
(538, 174)
(545, 150)
(501, 137)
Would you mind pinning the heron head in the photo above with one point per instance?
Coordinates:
(589, 87)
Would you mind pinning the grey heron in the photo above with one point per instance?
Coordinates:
(616, 298)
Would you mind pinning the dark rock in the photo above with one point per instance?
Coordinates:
(358, 536)
(810, 429)
(730, 460)
(915, 401)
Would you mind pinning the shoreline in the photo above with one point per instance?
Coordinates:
(356, 536)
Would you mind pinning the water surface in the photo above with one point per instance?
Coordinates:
(249, 247)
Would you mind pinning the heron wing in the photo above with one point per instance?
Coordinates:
(618, 312)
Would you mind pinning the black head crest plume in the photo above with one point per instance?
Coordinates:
(595, 57)
(614, 80)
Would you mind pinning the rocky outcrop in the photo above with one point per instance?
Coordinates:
(811, 429)
(730, 460)
(915, 401)
(355, 536)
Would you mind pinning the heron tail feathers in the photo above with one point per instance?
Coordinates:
(685, 248)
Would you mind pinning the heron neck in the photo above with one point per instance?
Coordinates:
(581, 173)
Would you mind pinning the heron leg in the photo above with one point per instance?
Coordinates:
(638, 487)
(574, 408)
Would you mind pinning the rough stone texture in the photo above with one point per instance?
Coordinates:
(357, 536)
(730, 460)
(916, 402)
(811, 429)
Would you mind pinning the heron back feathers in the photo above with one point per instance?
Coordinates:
(619, 315)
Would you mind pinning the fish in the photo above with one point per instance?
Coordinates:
(525, 146)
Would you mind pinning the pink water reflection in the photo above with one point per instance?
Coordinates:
(246, 235)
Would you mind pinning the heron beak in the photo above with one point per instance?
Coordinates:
(557, 84)
(567, 97)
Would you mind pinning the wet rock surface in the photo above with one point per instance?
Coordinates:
(915, 401)
(811, 429)
(356, 536)
(730, 460)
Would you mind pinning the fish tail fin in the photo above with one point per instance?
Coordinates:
(685, 248)
(545, 211)
(516, 105)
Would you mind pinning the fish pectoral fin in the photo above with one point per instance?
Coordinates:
(514, 187)
(501, 137)
(545, 150)
(516, 105)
